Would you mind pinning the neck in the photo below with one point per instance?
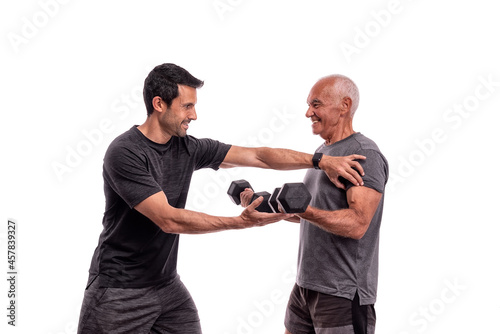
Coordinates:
(336, 136)
(152, 130)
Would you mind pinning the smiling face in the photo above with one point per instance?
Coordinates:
(326, 109)
(175, 120)
(331, 107)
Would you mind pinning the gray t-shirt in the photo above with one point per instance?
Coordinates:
(337, 265)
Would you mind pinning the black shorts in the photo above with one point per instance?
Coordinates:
(166, 308)
(310, 312)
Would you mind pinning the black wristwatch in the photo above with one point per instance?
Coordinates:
(316, 159)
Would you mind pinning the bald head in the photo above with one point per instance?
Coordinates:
(338, 86)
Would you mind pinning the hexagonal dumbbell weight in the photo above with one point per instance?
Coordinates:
(292, 197)
(237, 187)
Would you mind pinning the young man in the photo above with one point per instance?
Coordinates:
(133, 284)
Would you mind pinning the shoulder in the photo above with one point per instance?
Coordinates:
(356, 143)
(364, 143)
(375, 165)
(128, 144)
(194, 144)
(366, 146)
(191, 140)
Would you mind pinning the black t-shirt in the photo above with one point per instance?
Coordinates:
(133, 251)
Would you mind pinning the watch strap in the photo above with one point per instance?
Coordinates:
(316, 159)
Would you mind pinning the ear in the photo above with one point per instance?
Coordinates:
(346, 105)
(157, 103)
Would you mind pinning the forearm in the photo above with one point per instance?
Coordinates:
(284, 159)
(345, 222)
(192, 222)
(268, 158)
(334, 167)
(174, 220)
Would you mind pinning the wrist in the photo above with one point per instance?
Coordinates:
(304, 215)
(316, 160)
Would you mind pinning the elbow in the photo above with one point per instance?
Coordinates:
(168, 226)
(357, 234)
(173, 228)
(359, 231)
(264, 157)
(360, 224)
(171, 221)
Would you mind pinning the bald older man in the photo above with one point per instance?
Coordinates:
(336, 284)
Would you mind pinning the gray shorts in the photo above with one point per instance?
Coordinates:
(166, 308)
(310, 312)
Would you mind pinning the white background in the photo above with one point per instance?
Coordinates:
(71, 67)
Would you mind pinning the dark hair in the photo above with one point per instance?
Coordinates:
(162, 81)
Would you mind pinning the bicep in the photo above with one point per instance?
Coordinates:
(156, 208)
(364, 201)
(126, 172)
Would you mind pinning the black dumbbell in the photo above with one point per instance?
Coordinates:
(237, 187)
(292, 197)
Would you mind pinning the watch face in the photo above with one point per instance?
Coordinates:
(316, 159)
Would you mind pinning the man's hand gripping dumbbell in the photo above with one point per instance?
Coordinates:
(291, 198)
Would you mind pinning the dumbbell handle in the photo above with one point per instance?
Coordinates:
(264, 206)
(273, 200)
(238, 186)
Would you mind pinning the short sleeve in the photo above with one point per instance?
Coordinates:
(210, 153)
(126, 171)
(376, 170)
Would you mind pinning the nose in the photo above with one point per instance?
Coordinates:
(309, 112)
(192, 115)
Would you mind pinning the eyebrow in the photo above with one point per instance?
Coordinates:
(316, 100)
